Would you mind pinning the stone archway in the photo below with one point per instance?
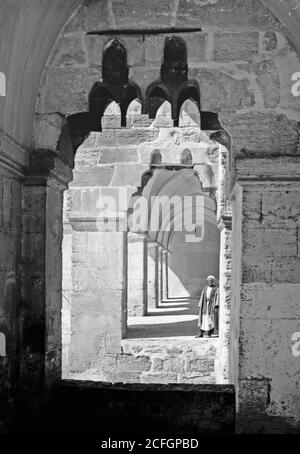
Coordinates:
(243, 121)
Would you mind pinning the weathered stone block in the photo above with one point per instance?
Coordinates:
(99, 15)
(173, 365)
(69, 51)
(254, 396)
(249, 136)
(129, 363)
(197, 43)
(143, 76)
(47, 130)
(270, 269)
(90, 300)
(111, 121)
(138, 121)
(270, 41)
(266, 242)
(86, 157)
(265, 301)
(281, 208)
(157, 364)
(98, 176)
(112, 155)
(121, 377)
(219, 90)
(252, 208)
(267, 77)
(129, 175)
(66, 90)
(235, 46)
(125, 137)
(200, 365)
(77, 21)
(231, 14)
(255, 356)
(154, 46)
(134, 13)
(197, 379)
(159, 378)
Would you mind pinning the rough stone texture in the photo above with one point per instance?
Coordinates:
(267, 77)
(68, 88)
(128, 175)
(67, 92)
(10, 246)
(99, 176)
(125, 137)
(230, 14)
(112, 155)
(220, 90)
(47, 130)
(69, 52)
(256, 133)
(268, 310)
(131, 13)
(270, 41)
(235, 46)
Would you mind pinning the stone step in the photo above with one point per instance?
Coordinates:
(78, 407)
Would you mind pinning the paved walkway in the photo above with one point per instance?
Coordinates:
(173, 319)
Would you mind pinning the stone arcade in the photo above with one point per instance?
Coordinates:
(105, 104)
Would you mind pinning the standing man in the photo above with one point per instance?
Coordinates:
(209, 309)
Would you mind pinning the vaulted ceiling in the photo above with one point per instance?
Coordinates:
(28, 30)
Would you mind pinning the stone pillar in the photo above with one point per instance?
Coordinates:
(164, 275)
(160, 276)
(267, 287)
(67, 287)
(152, 249)
(137, 274)
(40, 315)
(13, 162)
(225, 225)
(99, 312)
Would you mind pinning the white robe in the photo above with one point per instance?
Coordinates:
(207, 321)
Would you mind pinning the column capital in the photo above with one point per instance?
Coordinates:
(46, 168)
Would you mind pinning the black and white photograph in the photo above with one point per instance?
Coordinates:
(149, 222)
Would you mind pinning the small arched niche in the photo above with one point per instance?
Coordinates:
(189, 114)
(114, 62)
(186, 157)
(156, 157)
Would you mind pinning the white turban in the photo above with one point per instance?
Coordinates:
(211, 277)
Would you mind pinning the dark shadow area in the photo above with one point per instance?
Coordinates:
(80, 408)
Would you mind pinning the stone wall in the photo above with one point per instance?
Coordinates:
(243, 63)
(268, 376)
(10, 247)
